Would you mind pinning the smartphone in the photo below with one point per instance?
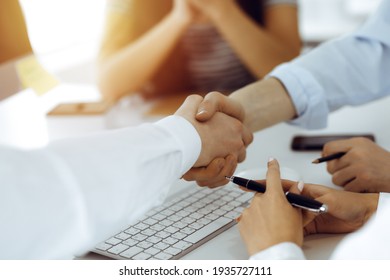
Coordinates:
(317, 142)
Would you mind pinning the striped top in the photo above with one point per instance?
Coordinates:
(211, 63)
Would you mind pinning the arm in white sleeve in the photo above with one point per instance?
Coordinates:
(351, 70)
(67, 197)
(372, 241)
(281, 251)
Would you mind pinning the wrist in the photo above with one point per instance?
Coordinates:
(220, 12)
(180, 18)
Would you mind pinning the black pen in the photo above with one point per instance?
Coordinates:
(330, 157)
(295, 199)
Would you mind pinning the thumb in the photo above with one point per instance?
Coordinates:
(217, 102)
(189, 106)
(208, 107)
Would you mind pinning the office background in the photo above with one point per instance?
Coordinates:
(65, 34)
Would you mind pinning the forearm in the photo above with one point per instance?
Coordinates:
(131, 67)
(258, 47)
(266, 103)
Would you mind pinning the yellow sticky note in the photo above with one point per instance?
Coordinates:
(33, 75)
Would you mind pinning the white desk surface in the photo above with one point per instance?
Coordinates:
(275, 141)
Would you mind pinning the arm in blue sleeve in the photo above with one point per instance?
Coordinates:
(351, 70)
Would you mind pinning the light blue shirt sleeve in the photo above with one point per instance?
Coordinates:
(350, 70)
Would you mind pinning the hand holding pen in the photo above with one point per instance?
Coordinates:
(358, 165)
(270, 219)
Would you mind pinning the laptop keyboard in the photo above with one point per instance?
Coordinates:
(178, 226)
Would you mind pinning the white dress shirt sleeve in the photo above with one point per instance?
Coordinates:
(281, 251)
(370, 242)
(67, 197)
(350, 70)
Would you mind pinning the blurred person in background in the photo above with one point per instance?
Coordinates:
(165, 46)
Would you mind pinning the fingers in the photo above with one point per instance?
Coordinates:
(315, 191)
(344, 176)
(190, 105)
(247, 136)
(204, 173)
(274, 184)
(337, 146)
(214, 174)
(354, 186)
(217, 102)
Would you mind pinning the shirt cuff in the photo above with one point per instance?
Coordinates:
(186, 136)
(306, 93)
(281, 251)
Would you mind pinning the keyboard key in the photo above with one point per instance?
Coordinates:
(212, 216)
(166, 223)
(183, 213)
(171, 229)
(157, 227)
(232, 215)
(174, 218)
(103, 246)
(207, 230)
(204, 221)
(163, 256)
(160, 216)
(152, 251)
(182, 245)
(180, 225)
(162, 234)
(170, 240)
(234, 203)
(172, 251)
(167, 212)
(140, 237)
(227, 207)
(131, 252)
(132, 230)
(150, 221)
(195, 225)
(130, 242)
(188, 220)
(179, 235)
(154, 239)
(219, 212)
(161, 246)
(145, 244)
(196, 216)
(113, 241)
(187, 230)
(149, 232)
(118, 249)
(122, 236)
(142, 256)
(245, 197)
(141, 226)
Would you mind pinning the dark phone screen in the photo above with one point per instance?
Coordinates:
(317, 142)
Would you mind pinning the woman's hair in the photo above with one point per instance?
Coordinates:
(253, 8)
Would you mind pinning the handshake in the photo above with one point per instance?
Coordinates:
(220, 123)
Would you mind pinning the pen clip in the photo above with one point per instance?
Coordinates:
(322, 209)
